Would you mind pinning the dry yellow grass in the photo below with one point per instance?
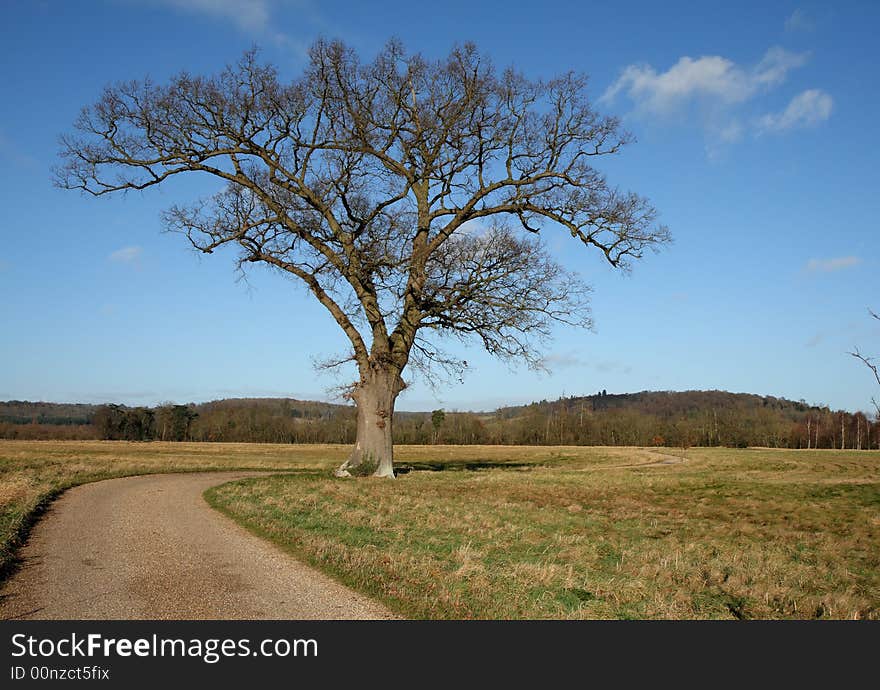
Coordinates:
(594, 533)
(546, 532)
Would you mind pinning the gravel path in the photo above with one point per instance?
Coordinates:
(150, 548)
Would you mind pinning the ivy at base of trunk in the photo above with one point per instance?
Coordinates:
(373, 452)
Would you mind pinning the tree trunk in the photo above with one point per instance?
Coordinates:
(373, 453)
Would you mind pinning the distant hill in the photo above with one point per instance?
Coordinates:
(665, 403)
(23, 412)
(675, 418)
(671, 418)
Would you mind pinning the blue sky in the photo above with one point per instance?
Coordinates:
(757, 141)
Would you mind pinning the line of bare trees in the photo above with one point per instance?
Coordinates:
(696, 419)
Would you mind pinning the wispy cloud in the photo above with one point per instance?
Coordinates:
(474, 228)
(711, 77)
(572, 360)
(731, 132)
(799, 21)
(258, 18)
(775, 66)
(720, 135)
(718, 91)
(807, 109)
(248, 15)
(830, 265)
(563, 360)
(126, 254)
(815, 340)
(606, 366)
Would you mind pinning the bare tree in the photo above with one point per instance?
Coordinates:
(871, 363)
(407, 195)
(809, 424)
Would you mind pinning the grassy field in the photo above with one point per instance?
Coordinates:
(588, 533)
(517, 532)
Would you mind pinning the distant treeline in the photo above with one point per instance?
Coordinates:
(690, 418)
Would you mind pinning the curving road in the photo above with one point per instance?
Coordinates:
(150, 548)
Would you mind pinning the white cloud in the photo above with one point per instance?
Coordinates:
(775, 66)
(799, 21)
(126, 254)
(661, 92)
(473, 228)
(249, 15)
(255, 17)
(720, 135)
(563, 360)
(731, 132)
(829, 265)
(711, 77)
(807, 109)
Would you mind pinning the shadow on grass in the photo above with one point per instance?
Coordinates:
(455, 466)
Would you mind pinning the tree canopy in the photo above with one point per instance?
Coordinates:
(408, 195)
